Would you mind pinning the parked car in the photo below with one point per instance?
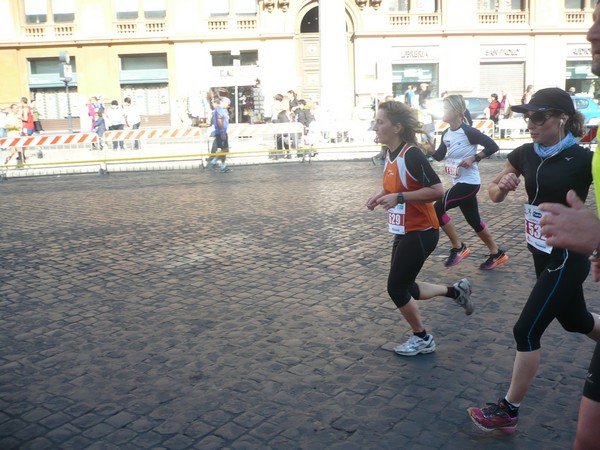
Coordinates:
(475, 105)
(588, 107)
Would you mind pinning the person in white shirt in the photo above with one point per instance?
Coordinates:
(132, 118)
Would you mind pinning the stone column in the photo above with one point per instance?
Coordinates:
(336, 95)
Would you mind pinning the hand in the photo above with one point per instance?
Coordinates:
(509, 182)
(371, 203)
(388, 201)
(574, 227)
(468, 162)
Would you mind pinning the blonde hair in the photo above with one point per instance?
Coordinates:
(456, 102)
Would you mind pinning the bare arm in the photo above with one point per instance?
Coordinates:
(505, 181)
(423, 195)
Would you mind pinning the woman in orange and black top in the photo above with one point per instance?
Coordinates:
(410, 186)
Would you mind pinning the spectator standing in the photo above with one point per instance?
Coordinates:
(494, 108)
(305, 117)
(27, 118)
(37, 124)
(3, 119)
(115, 120)
(281, 115)
(527, 94)
(424, 93)
(132, 118)
(99, 129)
(14, 127)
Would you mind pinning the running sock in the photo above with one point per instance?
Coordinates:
(513, 408)
(422, 334)
(452, 293)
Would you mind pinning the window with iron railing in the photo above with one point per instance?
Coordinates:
(232, 15)
(413, 13)
(503, 12)
(140, 16)
(49, 18)
(579, 11)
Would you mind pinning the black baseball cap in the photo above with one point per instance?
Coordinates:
(548, 99)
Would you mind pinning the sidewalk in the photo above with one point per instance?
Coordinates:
(247, 310)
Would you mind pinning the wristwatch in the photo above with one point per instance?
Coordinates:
(477, 157)
(400, 198)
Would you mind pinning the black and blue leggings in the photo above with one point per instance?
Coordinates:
(464, 196)
(558, 293)
(409, 253)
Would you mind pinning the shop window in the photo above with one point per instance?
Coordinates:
(225, 59)
(237, 7)
(133, 9)
(47, 66)
(144, 62)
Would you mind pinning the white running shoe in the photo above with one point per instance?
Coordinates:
(415, 345)
(464, 299)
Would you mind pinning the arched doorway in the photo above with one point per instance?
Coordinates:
(309, 59)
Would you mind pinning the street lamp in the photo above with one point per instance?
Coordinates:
(66, 75)
(235, 54)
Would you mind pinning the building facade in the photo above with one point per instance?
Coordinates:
(169, 55)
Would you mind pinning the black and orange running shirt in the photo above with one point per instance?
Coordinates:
(410, 171)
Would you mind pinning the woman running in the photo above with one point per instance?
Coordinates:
(410, 186)
(459, 147)
(551, 166)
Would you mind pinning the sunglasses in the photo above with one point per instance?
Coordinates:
(539, 118)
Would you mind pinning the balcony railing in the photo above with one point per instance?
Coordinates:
(504, 18)
(140, 27)
(578, 17)
(48, 31)
(232, 24)
(414, 20)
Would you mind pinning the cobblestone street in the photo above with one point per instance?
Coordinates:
(248, 310)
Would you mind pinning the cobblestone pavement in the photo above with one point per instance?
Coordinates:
(190, 309)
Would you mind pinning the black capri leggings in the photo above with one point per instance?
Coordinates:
(557, 294)
(409, 253)
(591, 388)
(464, 196)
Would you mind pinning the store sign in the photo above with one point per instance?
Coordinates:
(425, 53)
(502, 52)
(579, 51)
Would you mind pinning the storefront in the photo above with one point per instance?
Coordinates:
(579, 70)
(49, 91)
(502, 67)
(412, 66)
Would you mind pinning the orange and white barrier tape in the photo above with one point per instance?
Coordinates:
(165, 133)
(485, 126)
(49, 140)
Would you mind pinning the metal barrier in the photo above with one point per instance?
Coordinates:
(182, 148)
(22, 148)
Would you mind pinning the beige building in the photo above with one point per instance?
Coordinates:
(168, 54)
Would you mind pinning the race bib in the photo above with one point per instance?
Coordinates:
(533, 234)
(396, 218)
(452, 166)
